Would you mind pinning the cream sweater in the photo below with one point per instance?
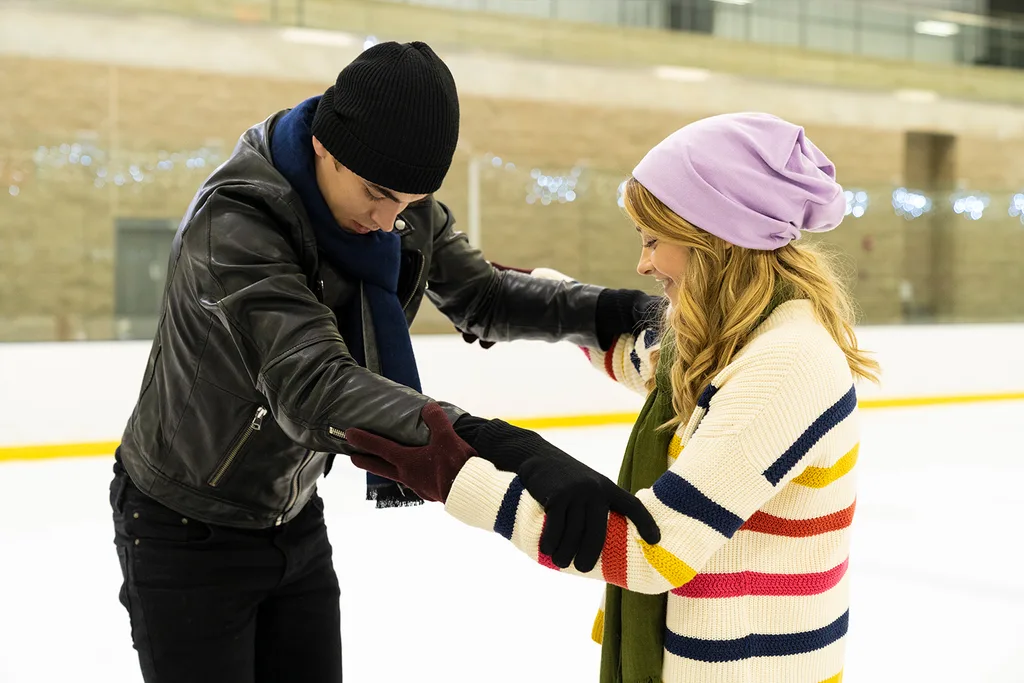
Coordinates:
(754, 510)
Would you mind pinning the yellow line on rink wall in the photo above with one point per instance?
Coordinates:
(917, 401)
(569, 421)
(62, 450)
(106, 448)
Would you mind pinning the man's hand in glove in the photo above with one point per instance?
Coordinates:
(575, 498)
(546, 273)
(428, 470)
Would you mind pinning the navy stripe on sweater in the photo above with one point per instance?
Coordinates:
(505, 521)
(635, 358)
(756, 644)
(704, 400)
(819, 428)
(685, 498)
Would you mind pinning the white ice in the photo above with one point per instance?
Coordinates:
(938, 592)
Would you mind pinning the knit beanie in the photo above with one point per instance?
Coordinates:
(752, 179)
(392, 117)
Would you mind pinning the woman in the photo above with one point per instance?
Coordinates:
(744, 450)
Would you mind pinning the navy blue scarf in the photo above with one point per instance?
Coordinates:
(373, 259)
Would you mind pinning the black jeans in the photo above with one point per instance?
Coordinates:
(217, 604)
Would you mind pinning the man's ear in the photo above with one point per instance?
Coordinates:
(320, 150)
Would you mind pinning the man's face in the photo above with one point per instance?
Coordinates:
(358, 205)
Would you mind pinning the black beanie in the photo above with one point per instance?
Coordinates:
(392, 117)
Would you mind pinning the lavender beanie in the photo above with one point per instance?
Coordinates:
(752, 179)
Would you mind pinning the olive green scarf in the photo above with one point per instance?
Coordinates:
(634, 623)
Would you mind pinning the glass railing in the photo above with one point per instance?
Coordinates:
(86, 237)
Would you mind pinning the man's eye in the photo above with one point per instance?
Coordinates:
(372, 196)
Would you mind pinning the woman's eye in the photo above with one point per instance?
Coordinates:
(649, 244)
(372, 196)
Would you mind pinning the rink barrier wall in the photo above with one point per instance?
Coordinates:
(72, 399)
(106, 448)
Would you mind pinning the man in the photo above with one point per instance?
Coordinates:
(292, 282)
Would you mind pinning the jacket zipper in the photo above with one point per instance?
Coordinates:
(416, 283)
(254, 426)
(333, 431)
(295, 489)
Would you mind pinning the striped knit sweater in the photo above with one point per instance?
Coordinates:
(754, 510)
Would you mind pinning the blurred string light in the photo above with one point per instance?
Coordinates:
(970, 204)
(97, 161)
(544, 188)
(1017, 206)
(550, 188)
(369, 42)
(620, 199)
(910, 204)
(498, 162)
(856, 202)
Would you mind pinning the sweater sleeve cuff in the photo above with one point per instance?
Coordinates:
(477, 493)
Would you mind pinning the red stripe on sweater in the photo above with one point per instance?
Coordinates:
(799, 528)
(609, 358)
(755, 583)
(613, 556)
(586, 352)
(545, 560)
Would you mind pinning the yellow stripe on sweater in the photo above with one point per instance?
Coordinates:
(675, 447)
(820, 477)
(597, 632)
(675, 571)
(838, 678)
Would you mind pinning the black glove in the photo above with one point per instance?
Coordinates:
(624, 311)
(576, 498)
(470, 338)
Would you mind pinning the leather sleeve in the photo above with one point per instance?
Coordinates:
(502, 305)
(246, 274)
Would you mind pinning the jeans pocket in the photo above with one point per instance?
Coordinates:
(148, 522)
(123, 594)
(118, 488)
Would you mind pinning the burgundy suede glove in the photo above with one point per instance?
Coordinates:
(428, 470)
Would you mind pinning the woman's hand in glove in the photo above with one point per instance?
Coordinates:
(575, 497)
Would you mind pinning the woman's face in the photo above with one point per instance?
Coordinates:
(663, 261)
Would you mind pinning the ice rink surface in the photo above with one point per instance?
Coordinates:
(936, 568)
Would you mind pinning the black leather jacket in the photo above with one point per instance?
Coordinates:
(249, 387)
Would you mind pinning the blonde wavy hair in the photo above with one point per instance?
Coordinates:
(728, 289)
